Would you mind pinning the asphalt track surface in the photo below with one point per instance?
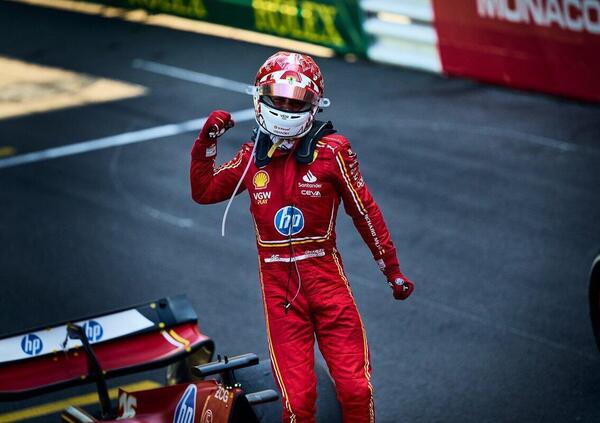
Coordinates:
(492, 197)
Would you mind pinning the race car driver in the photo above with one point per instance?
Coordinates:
(296, 172)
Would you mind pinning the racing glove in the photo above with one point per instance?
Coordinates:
(217, 123)
(401, 286)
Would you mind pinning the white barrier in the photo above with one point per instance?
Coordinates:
(403, 33)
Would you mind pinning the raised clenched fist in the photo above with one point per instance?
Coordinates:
(217, 123)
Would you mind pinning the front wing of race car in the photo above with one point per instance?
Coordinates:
(125, 341)
(204, 401)
(220, 400)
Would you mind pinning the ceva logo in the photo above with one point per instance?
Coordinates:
(93, 330)
(31, 344)
(289, 220)
(186, 408)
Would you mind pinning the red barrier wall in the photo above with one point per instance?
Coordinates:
(546, 45)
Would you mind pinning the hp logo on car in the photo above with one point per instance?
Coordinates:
(31, 344)
(186, 408)
(289, 221)
(93, 330)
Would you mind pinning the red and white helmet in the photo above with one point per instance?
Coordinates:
(288, 92)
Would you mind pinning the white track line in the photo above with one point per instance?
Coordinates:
(191, 76)
(116, 140)
(215, 81)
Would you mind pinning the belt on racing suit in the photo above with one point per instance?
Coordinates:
(273, 258)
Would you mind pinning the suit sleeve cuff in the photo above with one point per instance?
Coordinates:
(389, 265)
(204, 149)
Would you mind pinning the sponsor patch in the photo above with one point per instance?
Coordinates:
(185, 412)
(46, 341)
(211, 150)
(289, 221)
(93, 330)
(310, 182)
(260, 179)
(261, 198)
(307, 254)
(309, 178)
(303, 185)
(32, 344)
(310, 193)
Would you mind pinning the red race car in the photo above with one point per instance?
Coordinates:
(162, 333)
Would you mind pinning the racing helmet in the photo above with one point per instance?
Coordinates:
(288, 93)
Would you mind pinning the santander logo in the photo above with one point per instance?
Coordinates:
(309, 178)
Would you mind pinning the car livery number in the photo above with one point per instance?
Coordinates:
(222, 394)
(127, 405)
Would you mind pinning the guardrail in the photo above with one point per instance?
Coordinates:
(546, 46)
(402, 33)
(334, 24)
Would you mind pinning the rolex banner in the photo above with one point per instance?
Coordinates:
(546, 45)
(332, 23)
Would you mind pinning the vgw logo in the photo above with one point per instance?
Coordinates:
(262, 198)
(289, 221)
(93, 330)
(31, 344)
(186, 408)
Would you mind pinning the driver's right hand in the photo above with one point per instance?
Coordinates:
(217, 123)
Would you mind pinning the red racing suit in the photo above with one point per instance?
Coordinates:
(305, 290)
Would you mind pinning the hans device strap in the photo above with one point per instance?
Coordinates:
(305, 150)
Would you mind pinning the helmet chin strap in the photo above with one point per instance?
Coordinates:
(274, 147)
(283, 143)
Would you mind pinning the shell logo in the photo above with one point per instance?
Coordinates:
(261, 179)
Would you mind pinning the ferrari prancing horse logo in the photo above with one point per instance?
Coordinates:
(261, 179)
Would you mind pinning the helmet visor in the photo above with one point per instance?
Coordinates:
(289, 91)
(286, 104)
